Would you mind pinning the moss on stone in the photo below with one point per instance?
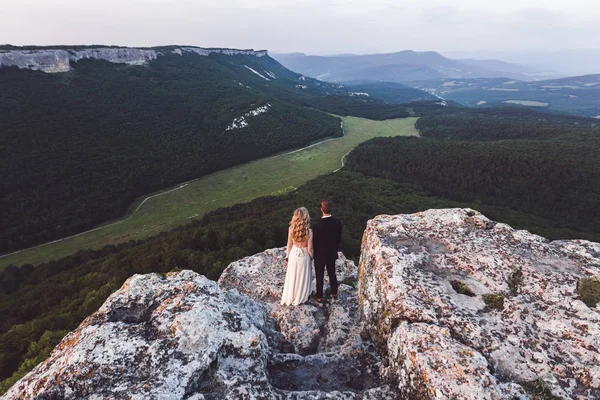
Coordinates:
(539, 390)
(515, 281)
(350, 281)
(461, 288)
(588, 290)
(493, 302)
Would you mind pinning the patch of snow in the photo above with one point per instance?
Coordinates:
(481, 102)
(302, 78)
(597, 116)
(242, 122)
(503, 89)
(257, 73)
(572, 96)
(302, 86)
(591, 84)
(442, 103)
(320, 77)
(527, 103)
(272, 75)
(358, 94)
(177, 51)
(509, 82)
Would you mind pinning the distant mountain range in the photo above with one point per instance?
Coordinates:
(401, 67)
(565, 62)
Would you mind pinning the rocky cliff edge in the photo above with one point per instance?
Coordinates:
(445, 304)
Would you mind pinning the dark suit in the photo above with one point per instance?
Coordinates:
(327, 235)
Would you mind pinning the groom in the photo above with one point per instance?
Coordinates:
(327, 235)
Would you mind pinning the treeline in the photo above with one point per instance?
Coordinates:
(506, 123)
(373, 109)
(76, 149)
(557, 180)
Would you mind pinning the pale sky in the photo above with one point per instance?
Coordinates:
(310, 26)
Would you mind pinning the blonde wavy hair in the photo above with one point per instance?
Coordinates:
(300, 225)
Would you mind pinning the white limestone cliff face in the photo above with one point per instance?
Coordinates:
(404, 333)
(58, 60)
(441, 344)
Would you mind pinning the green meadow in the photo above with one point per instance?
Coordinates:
(267, 176)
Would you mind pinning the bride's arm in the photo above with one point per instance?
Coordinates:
(289, 243)
(310, 243)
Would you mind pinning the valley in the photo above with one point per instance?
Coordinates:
(180, 205)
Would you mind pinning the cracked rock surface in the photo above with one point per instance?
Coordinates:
(521, 321)
(186, 337)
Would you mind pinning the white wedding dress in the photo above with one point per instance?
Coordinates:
(298, 278)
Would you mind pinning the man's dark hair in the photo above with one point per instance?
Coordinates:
(326, 206)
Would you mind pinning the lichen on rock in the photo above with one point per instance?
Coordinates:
(524, 324)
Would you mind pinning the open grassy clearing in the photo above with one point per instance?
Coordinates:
(235, 185)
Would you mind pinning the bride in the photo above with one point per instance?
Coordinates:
(299, 253)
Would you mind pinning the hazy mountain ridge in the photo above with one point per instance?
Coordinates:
(402, 67)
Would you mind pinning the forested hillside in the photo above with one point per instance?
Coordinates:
(77, 148)
(542, 165)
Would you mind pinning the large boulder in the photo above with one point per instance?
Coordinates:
(323, 354)
(261, 278)
(184, 337)
(467, 308)
(159, 338)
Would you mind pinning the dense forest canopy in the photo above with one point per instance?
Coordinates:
(555, 180)
(505, 123)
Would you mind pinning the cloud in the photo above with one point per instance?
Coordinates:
(313, 26)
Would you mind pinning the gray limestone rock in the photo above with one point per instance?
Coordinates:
(522, 322)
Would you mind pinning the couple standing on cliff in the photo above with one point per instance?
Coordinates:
(322, 242)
